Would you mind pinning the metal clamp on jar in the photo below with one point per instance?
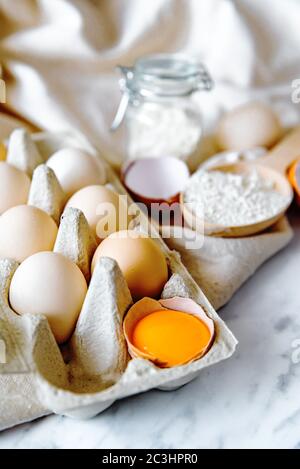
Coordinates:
(161, 117)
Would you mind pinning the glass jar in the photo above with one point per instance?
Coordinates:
(161, 116)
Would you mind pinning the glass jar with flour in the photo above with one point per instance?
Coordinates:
(161, 115)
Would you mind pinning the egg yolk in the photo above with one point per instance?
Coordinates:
(170, 337)
(2, 151)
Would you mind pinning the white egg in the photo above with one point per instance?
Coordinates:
(48, 283)
(25, 230)
(76, 169)
(253, 125)
(95, 202)
(14, 186)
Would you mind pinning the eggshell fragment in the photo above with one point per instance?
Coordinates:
(146, 306)
(251, 125)
(105, 210)
(14, 186)
(156, 179)
(76, 169)
(140, 259)
(22, 152)
(48, 283)
(25, 230)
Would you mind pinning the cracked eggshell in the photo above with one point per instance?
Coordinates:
(76, 169)
(151, 180)
(14, 186)
(25, 230)
(146, 306)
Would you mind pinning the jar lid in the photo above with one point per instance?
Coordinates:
(166, 75)
(161, 75)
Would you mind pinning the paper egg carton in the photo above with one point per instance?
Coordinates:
(85, 376)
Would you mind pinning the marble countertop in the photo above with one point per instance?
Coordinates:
(249, 401)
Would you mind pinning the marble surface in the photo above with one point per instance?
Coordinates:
(249, 401)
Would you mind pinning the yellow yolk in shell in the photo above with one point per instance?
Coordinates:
(2, 151)
(171, 337)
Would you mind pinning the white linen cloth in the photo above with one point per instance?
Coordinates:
(59, 56)
(58, 59)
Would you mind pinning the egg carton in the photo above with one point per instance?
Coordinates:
(85, 376)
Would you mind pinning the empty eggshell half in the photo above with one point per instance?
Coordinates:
(14, 186)
(76, 169)
(155, 179)
(146, 307)
(25, 230)
(140, 259)
(251, 125)
(48, 283)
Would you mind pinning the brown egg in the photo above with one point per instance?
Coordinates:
(141, 260)
(104, 209)
(252, 125)
(50, 284)
(25, 230)
(14, 186)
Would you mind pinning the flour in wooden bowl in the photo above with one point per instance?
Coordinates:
(231, 199)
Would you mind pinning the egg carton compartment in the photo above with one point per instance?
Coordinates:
(90, 372)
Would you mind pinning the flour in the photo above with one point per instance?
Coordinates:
(157, 130)
(233, 199)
